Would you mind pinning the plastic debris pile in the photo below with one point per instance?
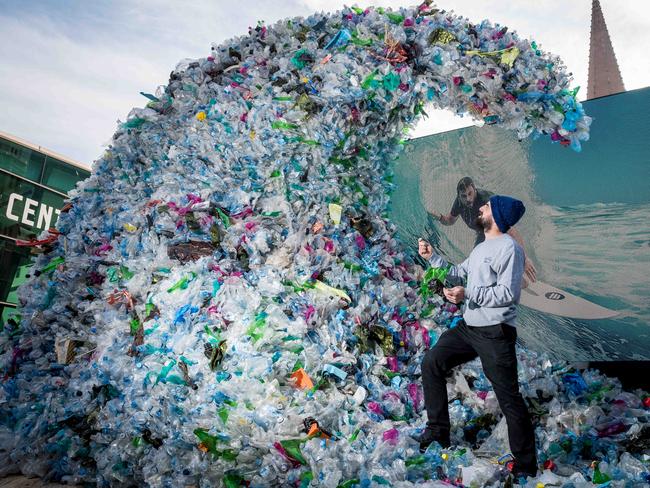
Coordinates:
(224, 301)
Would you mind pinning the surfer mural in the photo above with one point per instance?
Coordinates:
(584, 231)
(535, 294)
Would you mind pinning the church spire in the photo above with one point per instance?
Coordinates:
(604, 75)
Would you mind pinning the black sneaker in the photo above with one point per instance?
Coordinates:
(522, 473)
(428, 437)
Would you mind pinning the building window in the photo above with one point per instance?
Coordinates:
(61, 176)
(21, 160)
(15, 263)
(7, 312)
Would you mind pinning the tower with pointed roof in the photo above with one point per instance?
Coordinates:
(604, 75)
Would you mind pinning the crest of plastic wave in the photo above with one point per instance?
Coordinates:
(204, 260)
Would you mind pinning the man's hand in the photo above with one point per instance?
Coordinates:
(424, 249)
(530, 271)
(436, 215)
(455, 294)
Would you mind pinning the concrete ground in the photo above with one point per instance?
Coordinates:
(22, 482)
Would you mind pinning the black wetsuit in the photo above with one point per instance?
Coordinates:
(469, 214)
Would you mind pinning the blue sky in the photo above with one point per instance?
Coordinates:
(71, 69)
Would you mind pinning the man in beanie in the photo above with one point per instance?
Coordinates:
(493, 274)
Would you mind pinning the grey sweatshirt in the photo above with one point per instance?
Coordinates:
(494, 272)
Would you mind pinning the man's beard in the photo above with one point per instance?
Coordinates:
(484, 224)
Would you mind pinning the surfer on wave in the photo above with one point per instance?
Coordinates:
(469, 200)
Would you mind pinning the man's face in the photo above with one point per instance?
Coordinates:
(484, 218)
(468, 195)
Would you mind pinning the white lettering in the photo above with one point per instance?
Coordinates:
(10, 207)
(44, 216)
(45, 212)
(28, 210)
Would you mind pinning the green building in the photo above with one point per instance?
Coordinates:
(33, 186)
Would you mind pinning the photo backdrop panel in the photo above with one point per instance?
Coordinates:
(585, 227)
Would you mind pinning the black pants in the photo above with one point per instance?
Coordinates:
(495, 345)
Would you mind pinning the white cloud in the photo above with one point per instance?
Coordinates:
(66, 95)
(65, 82)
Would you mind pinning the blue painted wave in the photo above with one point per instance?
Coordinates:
(599, 251)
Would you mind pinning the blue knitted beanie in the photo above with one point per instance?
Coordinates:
(506, 211)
